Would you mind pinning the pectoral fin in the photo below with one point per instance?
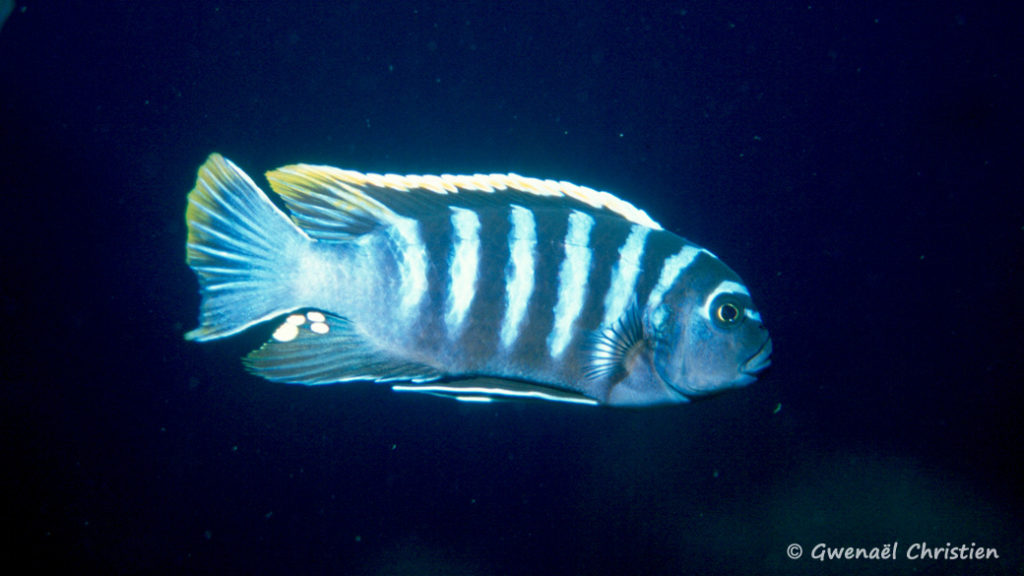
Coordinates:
(610, 350)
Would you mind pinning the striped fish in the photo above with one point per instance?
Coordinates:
(474, 287)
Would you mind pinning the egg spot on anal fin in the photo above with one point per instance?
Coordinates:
(317, 348)
(318, 322)
(286, 332)
(289, 329)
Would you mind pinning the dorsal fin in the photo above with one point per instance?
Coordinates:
(331, 203)
(325, 206)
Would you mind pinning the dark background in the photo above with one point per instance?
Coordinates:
(858, 163)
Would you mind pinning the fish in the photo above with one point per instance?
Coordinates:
(476, 287)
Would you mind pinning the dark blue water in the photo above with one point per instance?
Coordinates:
(859, 164)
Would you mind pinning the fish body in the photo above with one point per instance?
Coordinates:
(475, 287)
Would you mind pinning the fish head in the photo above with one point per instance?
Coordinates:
(708, 336)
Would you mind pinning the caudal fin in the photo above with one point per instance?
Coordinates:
(242, 248)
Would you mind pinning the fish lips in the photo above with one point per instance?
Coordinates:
(760, 360)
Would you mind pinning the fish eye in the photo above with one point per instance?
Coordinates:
(729, 313)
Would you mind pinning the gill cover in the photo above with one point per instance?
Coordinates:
(708, 341)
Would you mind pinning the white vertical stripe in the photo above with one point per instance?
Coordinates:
(624, 275)
(522, 239)
(463, 266)
(405, 234)
(572, 281)
(670, 270)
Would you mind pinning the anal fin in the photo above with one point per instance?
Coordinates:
(316, 348)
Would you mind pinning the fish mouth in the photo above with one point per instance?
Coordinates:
(760, 360)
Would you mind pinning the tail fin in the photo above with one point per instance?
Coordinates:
(241, 247)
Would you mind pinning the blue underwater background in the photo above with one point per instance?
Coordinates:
(859, 164)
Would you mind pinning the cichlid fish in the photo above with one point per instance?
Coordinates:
(474, 287)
